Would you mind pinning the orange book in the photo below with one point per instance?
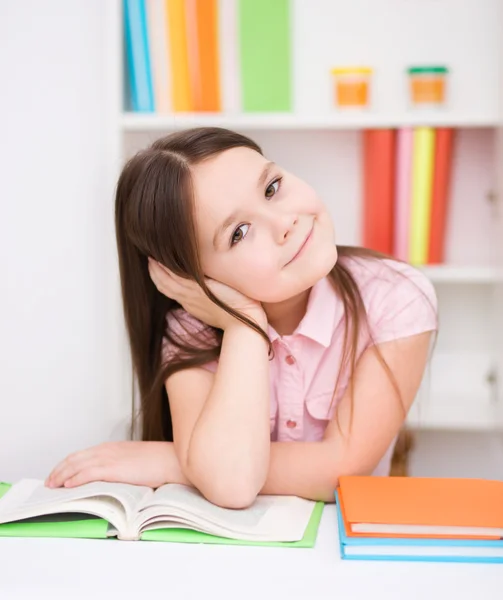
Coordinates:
(378, 189)
(207, 74)
(422, 507)
(440, 194)
(176, 16)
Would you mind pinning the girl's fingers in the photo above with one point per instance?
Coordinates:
(88, 475)
(160, 269)
(163, 268)
(162, 278)
(54, 478)
(57, 479)
(184, 291)
(71, 464)
(155, 271)
(72, 470)
(172, 277)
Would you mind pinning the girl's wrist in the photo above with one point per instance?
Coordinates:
(259, 318)
(173, 469)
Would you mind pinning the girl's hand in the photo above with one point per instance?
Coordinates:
(190, 295)
(141, 463)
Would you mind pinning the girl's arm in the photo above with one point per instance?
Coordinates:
(312, 469)
(235, 453)
(224, 448)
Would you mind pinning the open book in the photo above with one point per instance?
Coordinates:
(131, 510)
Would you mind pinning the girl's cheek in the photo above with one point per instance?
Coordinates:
(258, 274)
(263, 265)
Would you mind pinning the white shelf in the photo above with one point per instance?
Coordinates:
(455, 412)
(462, 274)
(279, 121)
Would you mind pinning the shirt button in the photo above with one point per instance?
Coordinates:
(290, 359)
(291, 424)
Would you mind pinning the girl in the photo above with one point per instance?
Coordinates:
(274, 359)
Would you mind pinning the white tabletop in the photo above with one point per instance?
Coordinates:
(73, 569)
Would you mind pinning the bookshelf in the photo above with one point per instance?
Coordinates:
(249, 122)
(460, 390)
(463, 274)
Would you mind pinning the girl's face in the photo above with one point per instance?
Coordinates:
(261, 230)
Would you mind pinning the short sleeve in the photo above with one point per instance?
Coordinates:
(400, 301)
(186, 329)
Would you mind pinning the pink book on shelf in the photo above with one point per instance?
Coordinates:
(193, 52)
(229, 52)
(403, 188)
(159, 51)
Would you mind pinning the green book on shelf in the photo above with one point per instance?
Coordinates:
(265, 55)
(171, 513)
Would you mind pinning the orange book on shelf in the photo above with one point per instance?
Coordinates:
(207, 75)
(176, 16)
(378, 189)
(440, 194)
(422, 507)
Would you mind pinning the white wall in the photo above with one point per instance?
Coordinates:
(390, 35)
(55, 227)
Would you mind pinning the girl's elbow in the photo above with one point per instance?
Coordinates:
(224, 490)
(230, 495)
(227, 486)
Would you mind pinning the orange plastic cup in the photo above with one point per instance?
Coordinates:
(427, 85)
(352, 86)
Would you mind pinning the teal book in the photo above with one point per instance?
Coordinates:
(171, 513)
(265, 55)
(138, 61)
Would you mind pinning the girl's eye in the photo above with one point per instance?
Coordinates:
(273, 188)
(238, 234)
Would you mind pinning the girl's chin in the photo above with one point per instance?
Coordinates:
(287, 293)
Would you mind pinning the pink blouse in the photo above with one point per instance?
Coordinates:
(400, 301)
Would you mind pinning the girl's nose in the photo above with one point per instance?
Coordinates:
(284, 224)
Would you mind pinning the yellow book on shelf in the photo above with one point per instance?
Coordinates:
(182, 100)
(421, 194)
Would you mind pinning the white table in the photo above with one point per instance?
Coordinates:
(49, 569)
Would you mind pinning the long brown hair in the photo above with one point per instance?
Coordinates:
(154, 216)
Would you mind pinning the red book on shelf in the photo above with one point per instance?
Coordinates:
(440, 194)
(378, 189)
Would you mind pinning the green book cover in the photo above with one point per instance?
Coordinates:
(265, 55)
(97, 528)
(73, 528)
(196, 537)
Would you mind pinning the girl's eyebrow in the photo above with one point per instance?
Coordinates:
(233, 216)
(265, 173)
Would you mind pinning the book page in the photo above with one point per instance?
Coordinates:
(30, 497)
(192, 501)
(269, 518)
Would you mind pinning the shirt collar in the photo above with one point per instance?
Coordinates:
(324, 312)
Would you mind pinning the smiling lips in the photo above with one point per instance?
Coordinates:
(304, 244)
